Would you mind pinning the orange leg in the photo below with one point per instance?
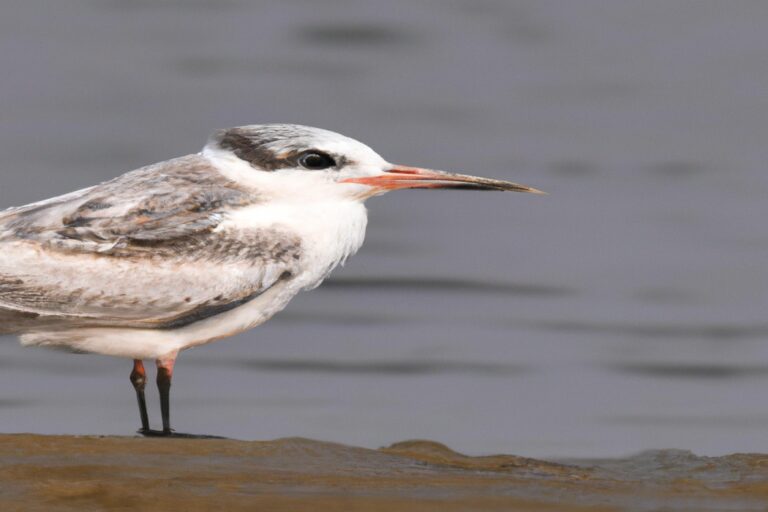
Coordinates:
(139, 381)
(164, 375)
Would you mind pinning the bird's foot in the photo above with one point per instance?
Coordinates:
(173, 434)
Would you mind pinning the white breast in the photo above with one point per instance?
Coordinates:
(330, 231)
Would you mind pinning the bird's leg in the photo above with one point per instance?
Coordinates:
(139, 381)
(164, 374)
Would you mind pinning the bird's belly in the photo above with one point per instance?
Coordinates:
(240, 319)
(156, 343)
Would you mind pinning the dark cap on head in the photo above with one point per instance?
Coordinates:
(266, 146)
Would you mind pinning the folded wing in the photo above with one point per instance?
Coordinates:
(143, 250)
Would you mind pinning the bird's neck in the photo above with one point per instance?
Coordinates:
(330, 230)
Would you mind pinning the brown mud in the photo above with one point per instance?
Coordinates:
(54, 473)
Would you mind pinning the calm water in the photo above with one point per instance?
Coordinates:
(624, 311)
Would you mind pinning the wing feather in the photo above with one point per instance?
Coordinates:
(142, 250)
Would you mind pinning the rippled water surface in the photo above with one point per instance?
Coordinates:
(624, 311)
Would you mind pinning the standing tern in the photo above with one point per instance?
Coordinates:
(194, 249)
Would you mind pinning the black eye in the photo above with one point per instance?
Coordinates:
(315, 161)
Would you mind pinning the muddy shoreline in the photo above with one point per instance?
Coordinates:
(126, 473)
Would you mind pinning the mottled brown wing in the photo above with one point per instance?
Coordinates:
(174, 199)
(139, 250)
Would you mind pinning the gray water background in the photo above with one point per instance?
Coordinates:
(624, 311)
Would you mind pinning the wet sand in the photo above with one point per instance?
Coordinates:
(124, 473)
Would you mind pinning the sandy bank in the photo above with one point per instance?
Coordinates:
(123, 473)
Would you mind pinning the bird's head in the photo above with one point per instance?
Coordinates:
(301, 161)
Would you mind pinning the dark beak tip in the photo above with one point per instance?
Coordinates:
(514, 187)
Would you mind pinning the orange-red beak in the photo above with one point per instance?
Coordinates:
(400, 177)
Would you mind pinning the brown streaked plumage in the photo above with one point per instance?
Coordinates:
(173, 226)
(186, 199)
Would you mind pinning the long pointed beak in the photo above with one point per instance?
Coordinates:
(401, 177)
